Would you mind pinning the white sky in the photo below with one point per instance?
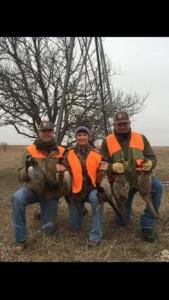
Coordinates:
(144, 65)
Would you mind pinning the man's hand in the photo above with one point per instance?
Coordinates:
(103, 166)
(118, 167)
(147, 165)
(60, 168)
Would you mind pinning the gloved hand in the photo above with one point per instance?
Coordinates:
(147, 165)
(118, 167)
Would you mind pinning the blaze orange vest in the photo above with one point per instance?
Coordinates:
(92, 164)
(136, 142)
(38, 154)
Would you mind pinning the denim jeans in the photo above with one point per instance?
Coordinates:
(147, 219)
(23, 197)
(76, 216)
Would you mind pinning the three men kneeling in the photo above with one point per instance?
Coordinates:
(82, 173)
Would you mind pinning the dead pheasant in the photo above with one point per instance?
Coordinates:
(37, 179)
(120, 192)
(104, 186)
(144, 187)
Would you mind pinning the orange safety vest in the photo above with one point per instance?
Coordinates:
(136, 142)
(38, 154)
(92, 164)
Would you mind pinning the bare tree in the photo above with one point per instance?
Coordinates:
(32, 72)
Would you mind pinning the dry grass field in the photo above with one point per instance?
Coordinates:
(118, 245)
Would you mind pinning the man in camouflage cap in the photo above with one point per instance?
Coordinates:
(46, 125)
(37, 175)
(121, 116)
(124, 150)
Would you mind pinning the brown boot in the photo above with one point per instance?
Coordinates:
(19, 247)
(93, 243)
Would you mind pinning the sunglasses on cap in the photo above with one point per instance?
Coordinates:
(122, 123)
(47, 130)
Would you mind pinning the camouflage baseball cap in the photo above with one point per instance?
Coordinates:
(121, 116)
(46, 125)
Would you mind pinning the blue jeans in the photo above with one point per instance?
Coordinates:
(147, 220)
(76, 216)
(23, 197)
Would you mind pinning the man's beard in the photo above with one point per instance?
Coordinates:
(123, 135)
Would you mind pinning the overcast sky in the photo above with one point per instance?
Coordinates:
(144, 65)
(144, 68)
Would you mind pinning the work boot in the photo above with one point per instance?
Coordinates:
(19, 247)
(50, 230)
(148, 235)
(92, 243)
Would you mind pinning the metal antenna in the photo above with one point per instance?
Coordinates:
(88, 47)
(105, 70)
(101, 86)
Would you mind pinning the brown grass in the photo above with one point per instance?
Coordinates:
(118, 244)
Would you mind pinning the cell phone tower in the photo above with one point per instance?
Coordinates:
(87, 48)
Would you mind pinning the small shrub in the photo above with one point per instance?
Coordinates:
(3, 146)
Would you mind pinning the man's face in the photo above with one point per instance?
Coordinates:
(122, 126)
(46, 135)
(82, 138)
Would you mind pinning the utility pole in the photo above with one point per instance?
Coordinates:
(63, 99)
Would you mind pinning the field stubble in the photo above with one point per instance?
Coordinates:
(118, 245)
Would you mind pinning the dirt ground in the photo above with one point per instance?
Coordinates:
(118, 245)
